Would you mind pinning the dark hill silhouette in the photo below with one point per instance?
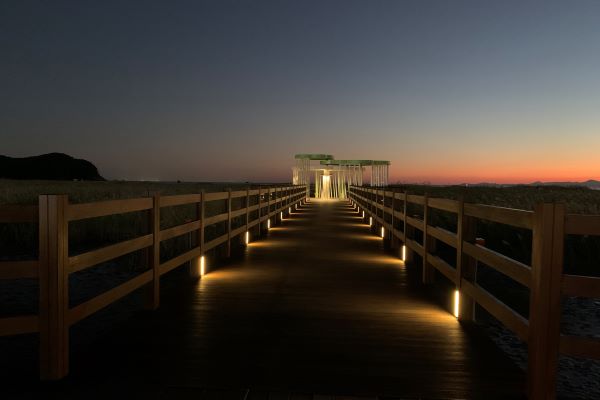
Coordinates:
(52, 166)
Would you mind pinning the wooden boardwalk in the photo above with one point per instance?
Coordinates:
(317, 307)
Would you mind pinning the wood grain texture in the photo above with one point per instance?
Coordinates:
(102, 208)
(442, 235)
(169, 201)
(10, 214)
(91, 258)
(179, 230)
(443, 204)
(544, 315)
(508, 216)
(518, 271)
(18, 325)
(19, 269)
(576, 224)
(582, 286)
(577, 346)
(501, 311)
(97, 303)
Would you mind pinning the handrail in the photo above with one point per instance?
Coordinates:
(53, 214)
(549, 225)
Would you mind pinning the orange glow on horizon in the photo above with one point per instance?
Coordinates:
(505, 175)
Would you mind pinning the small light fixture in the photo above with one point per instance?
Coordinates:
(281, 216)
(289, 210)
(456, 302)
(247, 237)
(202, 266)
(382, 232)
(370, 221)
(403, 252)
(363, 213)
(269, 223)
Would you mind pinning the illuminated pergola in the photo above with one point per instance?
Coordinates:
(332, 177)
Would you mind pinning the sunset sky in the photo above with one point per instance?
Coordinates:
(448, 91)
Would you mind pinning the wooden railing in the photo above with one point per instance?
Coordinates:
(545, 278)
(53, 215)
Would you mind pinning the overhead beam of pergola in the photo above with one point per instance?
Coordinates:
(332, 177)
(362, 163)
(314, 157)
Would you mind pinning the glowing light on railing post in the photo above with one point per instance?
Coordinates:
(363, 214)
(269, 223)
(289, 210)
(370, 221)
(247, 239)
(281, 216)
(456, 302)
(403, 252)
(382, 232)
(202, 266)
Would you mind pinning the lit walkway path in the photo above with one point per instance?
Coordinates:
(316, 308)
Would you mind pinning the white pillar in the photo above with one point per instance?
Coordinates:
(387, 175)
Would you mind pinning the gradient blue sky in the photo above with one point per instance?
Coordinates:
(449, 91)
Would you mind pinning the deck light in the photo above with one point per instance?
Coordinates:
(269, 223)
(281, 216)
(403, 252)
(247, 237)
(382, 232)
(456, 302)
(363, 213)
(202, 266)
(370, 221)
(289, 210)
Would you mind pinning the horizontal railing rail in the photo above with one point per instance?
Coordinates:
(54, 213)
(545, 279)
(19, 269)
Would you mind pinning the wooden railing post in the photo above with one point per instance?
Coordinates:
(229, 223)
(545, 307)
(268, 205)
(153, 299)
(54, 287)
(196, 264)
(247, 208)
(277, 202)
(465, 266)
(428, 245)
(408, 232)
(374, 210)
(393, 239)
(260, 230)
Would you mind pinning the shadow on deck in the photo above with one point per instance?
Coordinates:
(318, 307)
